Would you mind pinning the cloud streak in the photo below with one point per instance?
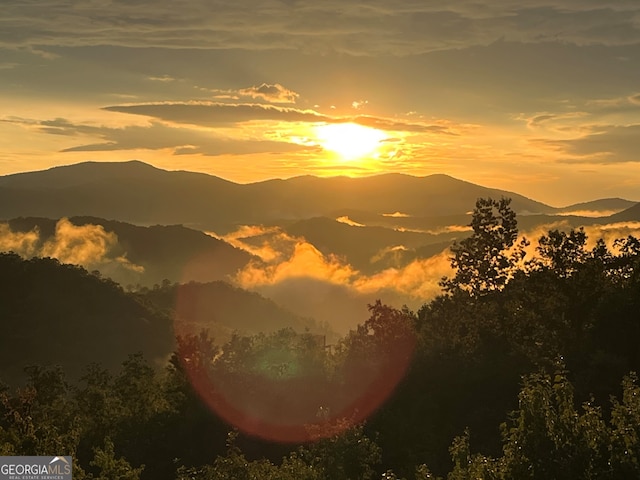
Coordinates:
(209, 114)
(180, 140)
(604, 144)
(363, 28)
(275, 93)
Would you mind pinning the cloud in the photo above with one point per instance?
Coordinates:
(24, 244)
(275, 93)
(418, 280)
(607, 232)
(588, 213)
(298, 276)
(555, 119)
(626, 103)
(397, 125)
(311, 283)
(162, 78)
(290, 258)
(395, 252)
(346, 220)
(611, 232)
(271, 93)
(79, 245)
(215, 113)
(209, 114)
(603, 144)
(360, 28)
(306, 261)
(157, 136)
(87, 245)
(449, 229)
(270, 244)
(326, 287)
(585, 114)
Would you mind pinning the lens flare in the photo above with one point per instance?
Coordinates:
(285, 386)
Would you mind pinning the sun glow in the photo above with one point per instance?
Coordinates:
(349, 140)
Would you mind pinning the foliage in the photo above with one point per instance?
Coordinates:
(548, 437)
(459, 364)
(110, 467)
(483, 261)
(347, 456)
(59, 314)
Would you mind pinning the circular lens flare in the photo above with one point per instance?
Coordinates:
(285, 386)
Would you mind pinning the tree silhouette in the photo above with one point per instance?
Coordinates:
(483, 262)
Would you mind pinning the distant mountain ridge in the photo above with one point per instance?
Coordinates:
(631, 214)
(139, 193)
(598, 206)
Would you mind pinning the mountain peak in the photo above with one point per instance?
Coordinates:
(68, 175)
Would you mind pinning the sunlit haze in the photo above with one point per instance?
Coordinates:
(350, 140)
(320, 239)
(537, 97)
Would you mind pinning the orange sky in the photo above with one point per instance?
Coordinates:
(538, 97)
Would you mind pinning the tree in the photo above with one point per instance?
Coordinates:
(483, 261)
(350, 455)
(548, 437)
(562, 252)
(111, 467)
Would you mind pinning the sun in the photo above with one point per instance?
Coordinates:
(349, 140)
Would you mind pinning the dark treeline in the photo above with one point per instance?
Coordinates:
(60, 314)
(521, 368)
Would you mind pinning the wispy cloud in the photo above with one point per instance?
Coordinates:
(603, 144)
(87, 245)
(291, 263)
(493, 89)
(346, 220)
(355, 27)
(306, 261)
(275, 93)
(589, 213)
(162, 78)
(24, 244)
(270, 244)
(216, 113)
(270, 93)
(418, 280)
(180, 140)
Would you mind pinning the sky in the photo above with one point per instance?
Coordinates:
(539, 97)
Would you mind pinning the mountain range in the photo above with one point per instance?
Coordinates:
(322, 248)
(141, 194)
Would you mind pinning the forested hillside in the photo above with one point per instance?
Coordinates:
(521, 368)
(156, 252)
(58, 314)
